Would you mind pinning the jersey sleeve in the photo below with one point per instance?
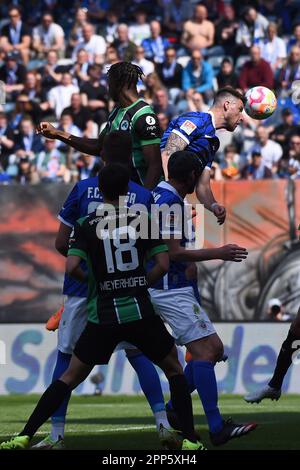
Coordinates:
(69, 211)
(77, 242)
(185, 128)
(147, 129)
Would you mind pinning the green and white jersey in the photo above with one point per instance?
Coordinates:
(117, 285)
(141, 121)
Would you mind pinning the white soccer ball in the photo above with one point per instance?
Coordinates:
(260, 102)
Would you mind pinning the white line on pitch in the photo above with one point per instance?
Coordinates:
(96, 431)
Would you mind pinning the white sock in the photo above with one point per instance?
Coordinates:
(161, 418)
(57, 430)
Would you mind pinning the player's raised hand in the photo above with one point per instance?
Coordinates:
(220, 212)
(233, 252)
(47, 130)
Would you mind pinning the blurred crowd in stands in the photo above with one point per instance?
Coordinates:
(54, 57)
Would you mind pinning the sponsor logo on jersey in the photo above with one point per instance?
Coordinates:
(124, 126)
(150, 120)
(188, 127)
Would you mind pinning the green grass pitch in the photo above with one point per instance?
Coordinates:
(125, 422)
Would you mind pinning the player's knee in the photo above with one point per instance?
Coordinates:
(170, 364)
(209, 349)
(219, 351)
(173, 369)
(215, 348)
(71, 378)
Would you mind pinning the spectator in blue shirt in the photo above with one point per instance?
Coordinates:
(155, 46)
(198, 76)
(295, 39)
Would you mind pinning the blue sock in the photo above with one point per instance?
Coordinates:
(189, 375)
(62, 363)
(149, 381)
(206, 385)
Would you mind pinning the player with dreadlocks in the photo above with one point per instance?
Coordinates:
(130, 114)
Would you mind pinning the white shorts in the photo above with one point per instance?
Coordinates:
(180, 309)
(72, 324)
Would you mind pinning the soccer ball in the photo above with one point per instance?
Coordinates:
(260, 102)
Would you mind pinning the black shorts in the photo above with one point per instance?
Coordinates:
(97, 342)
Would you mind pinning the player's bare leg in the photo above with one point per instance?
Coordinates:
(51, 400)
(181, 398)
(284, 361)
(205, 352)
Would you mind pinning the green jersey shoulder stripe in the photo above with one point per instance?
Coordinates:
(117, 116)
(157, 249)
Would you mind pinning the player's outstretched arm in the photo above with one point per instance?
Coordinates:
(159, 269)
(230, 252)
(73, 268)
(205, 196)
(82, 144)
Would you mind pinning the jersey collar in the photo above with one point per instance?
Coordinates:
(169, 187)
(132, 104)
(212, 119)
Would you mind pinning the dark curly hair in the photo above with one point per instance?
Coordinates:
(125, 74)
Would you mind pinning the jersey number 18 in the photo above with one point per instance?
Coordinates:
(114, 257)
